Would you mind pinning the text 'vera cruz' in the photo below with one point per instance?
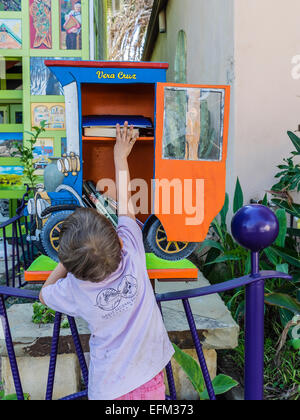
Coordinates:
(121, 75)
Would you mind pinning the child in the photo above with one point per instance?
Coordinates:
(102, 278)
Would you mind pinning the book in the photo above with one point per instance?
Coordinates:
(137, 121)
(105, 125)
(110, 132)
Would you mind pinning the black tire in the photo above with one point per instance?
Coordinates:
(50, 233)
(155, 239)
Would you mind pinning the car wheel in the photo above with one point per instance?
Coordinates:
(157, 241)
(51, 231)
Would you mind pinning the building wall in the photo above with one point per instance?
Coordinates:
(248, 44)
(267, 97)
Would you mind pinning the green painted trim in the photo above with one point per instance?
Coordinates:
(12, 53)
(25, 25)
(7, 161)
(85, 34)
(155, 263)
(55, 53)
(55, 26)
(13, 76)
(11, 94)
(11, 128)
(47, 99)
(13, 109)
(3, 84)
(10, 15)
(11, 194)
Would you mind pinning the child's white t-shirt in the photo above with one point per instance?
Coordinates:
(129, 344)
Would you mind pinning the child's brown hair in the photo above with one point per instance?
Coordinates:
(90, 248)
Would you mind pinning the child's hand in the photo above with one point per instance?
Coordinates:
(125, 141)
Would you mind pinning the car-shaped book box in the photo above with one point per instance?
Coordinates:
(178, 164)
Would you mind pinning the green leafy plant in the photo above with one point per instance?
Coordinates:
(11, 397)
(44, 315)
(26, 152)
(235, 261)
(221, 383)
(289, 175)
(289, 180)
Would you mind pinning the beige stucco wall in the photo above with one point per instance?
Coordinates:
(250, 45)
(267, 99)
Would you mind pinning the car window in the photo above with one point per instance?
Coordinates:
(193, 123)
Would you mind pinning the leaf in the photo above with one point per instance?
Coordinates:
(295, 344)
(283, 268)
(224, 258)
(238, 197)
(283, 301)
(221, 385)
(265, 200)
(191, 368)
(281, 216)
(293, 209)
(248, 264)
(211, 244)
(224, 211)
(295, 140)
(288, 258)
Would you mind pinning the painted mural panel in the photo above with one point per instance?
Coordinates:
(11, 177)
(43, 151)
(70, 21)
(10, 34)
(8, 142)
(53, 114)
(40, 24)
(10, 6)
(43, 81)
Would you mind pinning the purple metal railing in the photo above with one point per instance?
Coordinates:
(14, 233)
(255, 228)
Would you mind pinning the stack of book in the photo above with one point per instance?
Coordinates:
(105, 125)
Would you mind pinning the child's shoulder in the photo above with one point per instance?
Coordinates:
(130, 234)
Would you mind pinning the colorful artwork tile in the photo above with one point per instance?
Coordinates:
(10, 34)
(70, 20)
(53, 114)
(10, 6)
(40, 24)
(11, 177)
(43, 81)
(7, 143)
(43, 151)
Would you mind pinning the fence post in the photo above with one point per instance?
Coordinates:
(254, 336)
(255, 227)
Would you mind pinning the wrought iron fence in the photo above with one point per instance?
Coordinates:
(18, 251)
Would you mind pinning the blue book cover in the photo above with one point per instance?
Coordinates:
(112, 120)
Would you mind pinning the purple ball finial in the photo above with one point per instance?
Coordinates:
(255, 227)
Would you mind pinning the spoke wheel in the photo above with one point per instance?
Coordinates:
(51, 231)
(167, 246)
(157, 242)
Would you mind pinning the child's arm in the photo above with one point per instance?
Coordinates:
(124, 144)
(59, 273)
